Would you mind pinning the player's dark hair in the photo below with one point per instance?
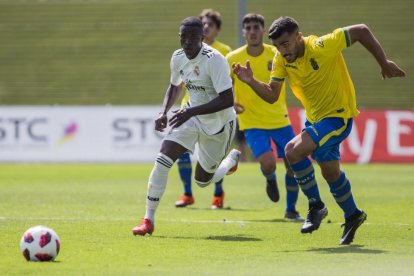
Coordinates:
(253, 17)
(193, 21)
(213, 15)
(282, 25)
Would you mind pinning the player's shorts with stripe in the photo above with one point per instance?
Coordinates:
(259, 140)
(328, 134)
(211, 148)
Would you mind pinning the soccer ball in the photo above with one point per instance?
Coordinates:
(40, 244)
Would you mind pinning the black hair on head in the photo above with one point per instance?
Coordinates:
(192, 21)
(282, 25)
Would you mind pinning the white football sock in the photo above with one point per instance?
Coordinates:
(157, 183)
(223, 169)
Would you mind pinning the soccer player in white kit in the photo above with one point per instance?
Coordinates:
(208, 119)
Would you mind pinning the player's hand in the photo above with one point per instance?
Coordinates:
(180, 116)
(391, 70)
(161, 122)
(244, 74)
(238, 108)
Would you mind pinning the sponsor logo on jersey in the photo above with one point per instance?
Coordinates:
(193, 87)
(314, 64)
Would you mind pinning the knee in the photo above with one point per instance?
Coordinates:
(202, 182)
(268, 166)
(290, 153)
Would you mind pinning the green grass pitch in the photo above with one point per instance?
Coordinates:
(94, 207)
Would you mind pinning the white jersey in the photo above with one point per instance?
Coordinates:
(205, 76)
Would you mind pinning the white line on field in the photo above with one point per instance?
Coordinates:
(175, 220)
(125, 219)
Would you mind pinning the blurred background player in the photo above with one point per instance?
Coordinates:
(211, 23)
(260, 121)
(208, 120)
(319, 78)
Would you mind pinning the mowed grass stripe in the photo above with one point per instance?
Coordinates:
(93, 208)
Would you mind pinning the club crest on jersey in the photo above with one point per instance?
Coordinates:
(197, 70)
(314, 64)
(269, 65)
(181, 72)
(291, 66)
(319, 43)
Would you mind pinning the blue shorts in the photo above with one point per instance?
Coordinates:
(259, 139)
(328, 134)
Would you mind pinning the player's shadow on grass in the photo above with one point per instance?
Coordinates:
(238, 238)
(347, 249)
(228, 238)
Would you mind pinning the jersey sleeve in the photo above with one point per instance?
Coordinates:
(230, 62)
(175, 78)
(278, 72)
(333, 43)
(220, 73)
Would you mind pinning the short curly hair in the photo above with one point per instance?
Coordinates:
(282, 25)
(192, 21)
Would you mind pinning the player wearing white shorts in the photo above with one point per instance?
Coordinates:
(208, 120)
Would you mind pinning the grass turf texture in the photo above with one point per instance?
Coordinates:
(93, 208)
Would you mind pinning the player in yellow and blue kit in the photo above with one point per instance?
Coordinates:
(319, 78)
(260, 121)
(211, 23)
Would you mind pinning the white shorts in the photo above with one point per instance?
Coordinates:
(212, 148)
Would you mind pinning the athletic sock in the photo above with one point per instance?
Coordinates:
(305, 177)
(341, 191)
(157, 183)
(218, 189)
(292, 192)
(225, 166)
(185, 170)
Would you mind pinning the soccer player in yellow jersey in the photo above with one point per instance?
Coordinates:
(263, 122)
(319, 78)
(211, 21)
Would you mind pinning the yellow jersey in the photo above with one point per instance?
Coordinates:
(224, 50)
(221, 47)
(320, 79)
(258, 113)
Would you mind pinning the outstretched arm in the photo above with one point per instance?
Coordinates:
(268, 92)
(363, 35)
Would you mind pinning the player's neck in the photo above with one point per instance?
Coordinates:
(255, 50)
(195, 54)
(301, 51)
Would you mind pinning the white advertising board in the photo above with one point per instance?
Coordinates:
(78, 134)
